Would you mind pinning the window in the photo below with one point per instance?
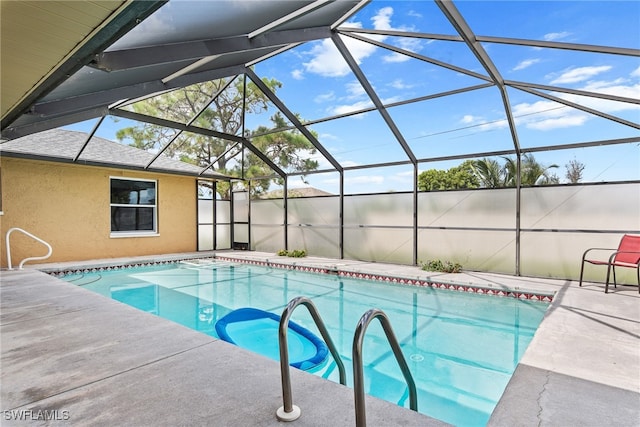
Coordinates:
(133, 206)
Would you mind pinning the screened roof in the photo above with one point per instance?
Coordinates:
(393, 85)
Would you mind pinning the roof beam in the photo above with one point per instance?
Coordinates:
(453, 15)
(107, 97)
(500, 40)
(419, 57)
(23, 128)
(561, 45)
(589, 94)
(126, 19)
(190, 122)
(292, 118)
(373, 96)
(428, 36)
(196, 50)
(580, 107)
(174, 125)
(305, 10)
(389, 105)
(194, 129)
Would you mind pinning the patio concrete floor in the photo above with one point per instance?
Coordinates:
(88, 360)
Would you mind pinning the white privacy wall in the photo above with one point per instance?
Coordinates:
(476, 228)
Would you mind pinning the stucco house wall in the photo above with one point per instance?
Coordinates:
(68, 205)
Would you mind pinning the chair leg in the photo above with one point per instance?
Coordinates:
(606, 286)
(638, 274)
(582, 272)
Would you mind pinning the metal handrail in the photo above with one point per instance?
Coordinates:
(288, 411)
(358, 369)
(26, 259)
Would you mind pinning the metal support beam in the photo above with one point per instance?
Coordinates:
(86, 142)
(190, 122)
(616, 98)
(201, 131)
(453, 15)
(305, 10)
(581, 107)
(373, 96)
(195, 50)
(132, 13)
(292, 117)
(107, 97)
(418, 56)
(561, 45)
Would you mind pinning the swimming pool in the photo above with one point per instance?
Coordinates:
(462, 348)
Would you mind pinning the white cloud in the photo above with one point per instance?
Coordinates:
(547, 115)
(618, 87)
(580, 74)
(569, 120)
(400, 84)
(355, 90)
(325, 97)
(297, 74)
(556, 36)
(395, 57)
(327, 61)
(349, 108)
(525, 64)
(468, 119)
(636, 72)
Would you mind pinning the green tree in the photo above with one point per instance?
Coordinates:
(290, 150)
(458, 177)
(229, 104)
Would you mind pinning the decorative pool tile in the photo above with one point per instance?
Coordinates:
(399, 280)
(324, 270)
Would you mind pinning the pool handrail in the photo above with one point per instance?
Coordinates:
(288, 411)
(358, 368)
(9, 264)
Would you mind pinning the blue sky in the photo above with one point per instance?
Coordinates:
(318, 83)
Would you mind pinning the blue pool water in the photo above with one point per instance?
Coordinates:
(462, 348)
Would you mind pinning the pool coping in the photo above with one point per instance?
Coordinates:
(415, 279)
(583, 356)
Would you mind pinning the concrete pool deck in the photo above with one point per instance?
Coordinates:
(73, 355)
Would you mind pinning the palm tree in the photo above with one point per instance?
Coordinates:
(531, 172)
(489, 173)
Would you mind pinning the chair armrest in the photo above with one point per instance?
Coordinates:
(584, 255)
(613, 255)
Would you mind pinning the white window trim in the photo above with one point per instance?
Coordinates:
(135, 233)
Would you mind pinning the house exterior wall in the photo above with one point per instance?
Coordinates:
(68, 206)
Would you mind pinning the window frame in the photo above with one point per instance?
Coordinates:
(134, 233)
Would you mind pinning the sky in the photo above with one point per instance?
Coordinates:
(318, 83)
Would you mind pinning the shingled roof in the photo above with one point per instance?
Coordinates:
(61, 145)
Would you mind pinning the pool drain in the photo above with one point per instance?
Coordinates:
(416, 357)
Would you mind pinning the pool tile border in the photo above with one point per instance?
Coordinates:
(101, 268)
(477, 289)
(523, 295)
